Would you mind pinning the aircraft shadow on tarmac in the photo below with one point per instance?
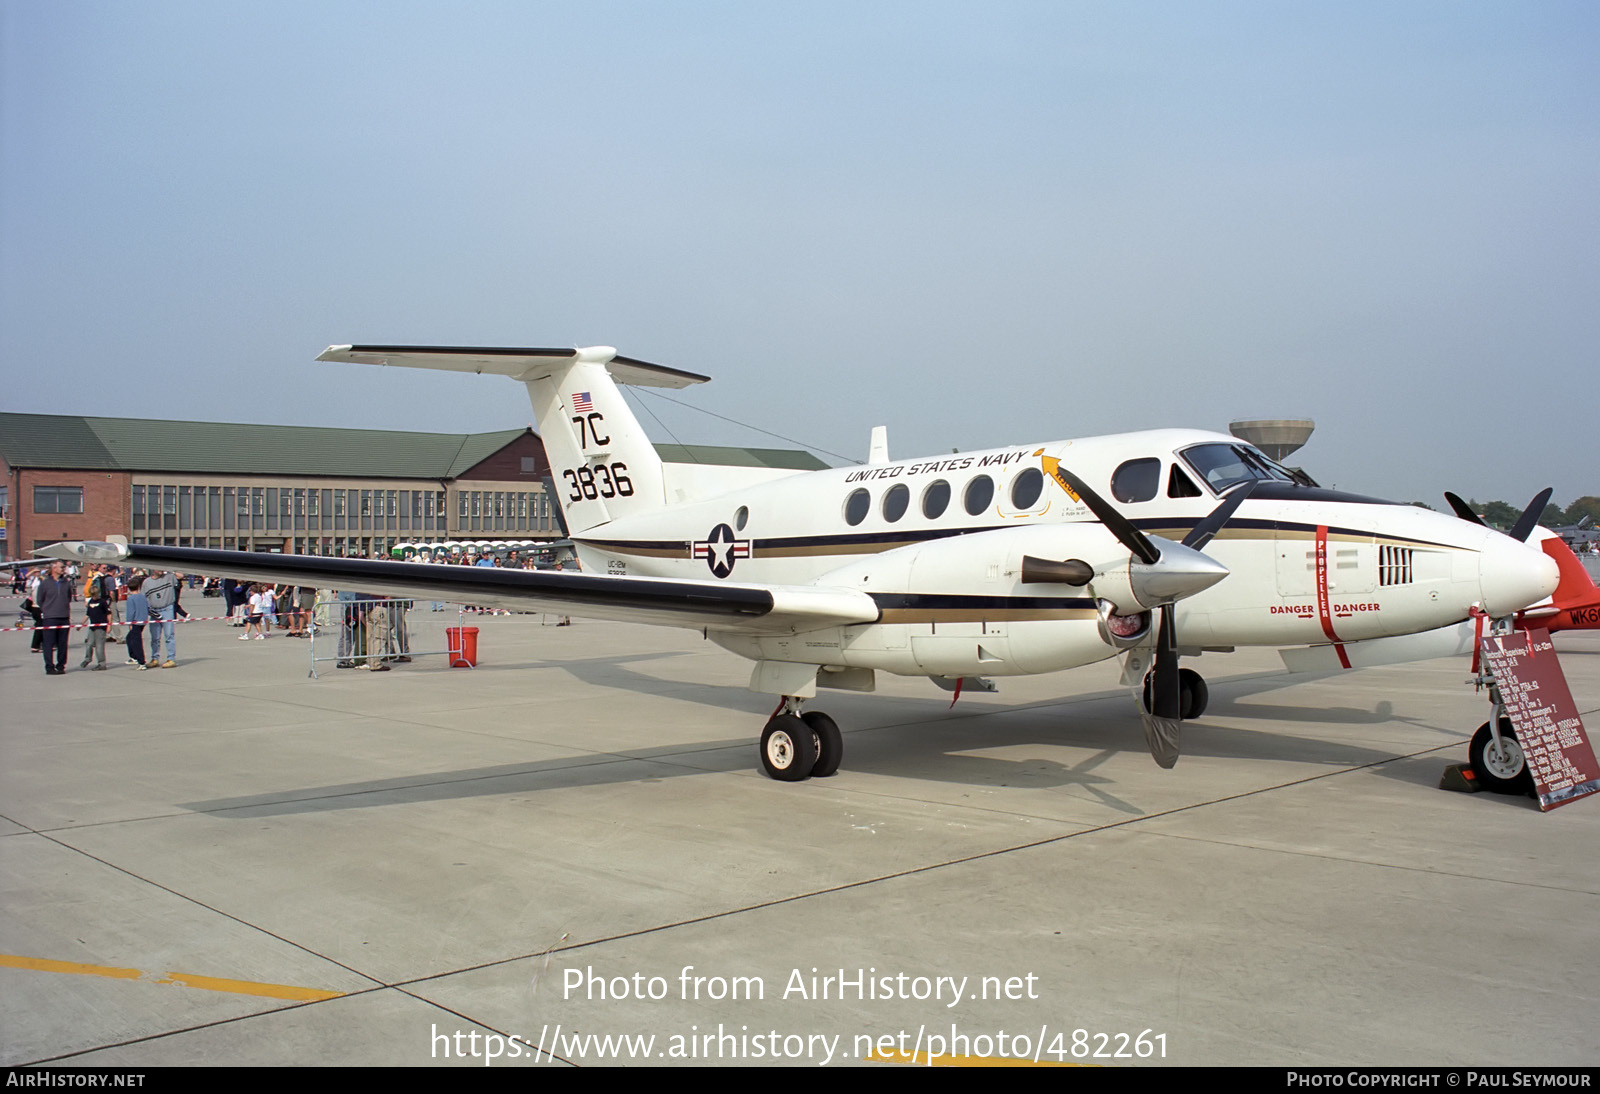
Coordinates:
(926, 740)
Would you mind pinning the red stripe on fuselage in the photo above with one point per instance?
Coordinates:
(1322, 595)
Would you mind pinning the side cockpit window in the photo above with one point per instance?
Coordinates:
(1180, 485)
(1136, 480)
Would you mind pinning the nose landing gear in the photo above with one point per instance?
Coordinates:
(1503, 768)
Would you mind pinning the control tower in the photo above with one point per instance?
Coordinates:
(1277, 437)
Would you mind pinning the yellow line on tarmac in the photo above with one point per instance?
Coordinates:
(180, 979)
(921, 1060)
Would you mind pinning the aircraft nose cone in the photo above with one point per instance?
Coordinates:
(1179, 572)
(1513, 575)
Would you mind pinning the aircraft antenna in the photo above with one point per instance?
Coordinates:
(747, 425)
(646, 408)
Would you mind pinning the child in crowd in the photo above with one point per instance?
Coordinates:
(138, 616)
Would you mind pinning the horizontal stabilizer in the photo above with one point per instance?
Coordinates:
(518, 363)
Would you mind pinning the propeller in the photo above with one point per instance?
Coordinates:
(1463, 510)
(1202, 533)
(1186, 572)
(1530, 516)
(1525, 523)
(1117, 524)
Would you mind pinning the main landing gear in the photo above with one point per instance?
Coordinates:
(1192, 693)
(797, 746)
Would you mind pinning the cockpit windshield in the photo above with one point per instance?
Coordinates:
(1226, 465)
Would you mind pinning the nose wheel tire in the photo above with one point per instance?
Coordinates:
(788, 748)
(1192, 693)
(1505, 769)
(829, 741)
(1195, 694)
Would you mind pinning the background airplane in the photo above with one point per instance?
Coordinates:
(1575, 605)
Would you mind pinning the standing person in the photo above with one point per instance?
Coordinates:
(161, 591)
(254, 619)
(116, 592)
(138, 616)
(399, 636)
(269, 607)
(377, 633)
(97, 613)
(307, 604)
(55, 614)
(38, 620)
(353, 632)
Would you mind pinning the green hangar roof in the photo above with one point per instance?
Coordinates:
(141, 444)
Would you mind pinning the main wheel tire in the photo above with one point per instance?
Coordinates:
(1505, 771)
(1193, 693)
(829, 741)
(788, 749)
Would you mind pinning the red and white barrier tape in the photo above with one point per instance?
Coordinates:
(123, 623)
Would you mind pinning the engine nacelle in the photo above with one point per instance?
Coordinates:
(960, 607)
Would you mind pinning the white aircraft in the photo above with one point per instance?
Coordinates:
(961, 568)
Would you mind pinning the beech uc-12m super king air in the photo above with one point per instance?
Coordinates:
(1023, 559)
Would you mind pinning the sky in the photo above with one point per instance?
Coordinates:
(979, 224)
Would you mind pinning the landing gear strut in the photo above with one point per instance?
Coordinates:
(797, 746)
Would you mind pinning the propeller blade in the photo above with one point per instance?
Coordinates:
(1163, 722)
(1118, 525)
(1202, 533)
(1463, 510)
(1165, 701)
(1530, 516)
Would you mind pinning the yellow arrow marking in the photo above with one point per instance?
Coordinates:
(1052, 467)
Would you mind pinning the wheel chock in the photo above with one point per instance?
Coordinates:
(1460, 777)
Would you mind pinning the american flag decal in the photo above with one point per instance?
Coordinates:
(582, 403)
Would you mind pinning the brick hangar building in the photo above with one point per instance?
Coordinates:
(295, 489)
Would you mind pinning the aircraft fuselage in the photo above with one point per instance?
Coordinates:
(939, 542)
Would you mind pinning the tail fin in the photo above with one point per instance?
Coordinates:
(1576, 587)
(603, 464)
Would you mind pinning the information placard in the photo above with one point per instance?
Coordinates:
(1539, 703)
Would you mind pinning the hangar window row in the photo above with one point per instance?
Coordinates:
(58, 499)
(160, 508)
(1026, 488)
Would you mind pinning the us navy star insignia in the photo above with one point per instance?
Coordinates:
(720, 550)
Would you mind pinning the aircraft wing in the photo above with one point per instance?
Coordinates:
(700, 605)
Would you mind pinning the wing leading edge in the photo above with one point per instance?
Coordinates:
(719, 606)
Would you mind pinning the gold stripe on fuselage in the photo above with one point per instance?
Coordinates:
(982, 615)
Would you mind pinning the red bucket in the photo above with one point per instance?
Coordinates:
(463, 645)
